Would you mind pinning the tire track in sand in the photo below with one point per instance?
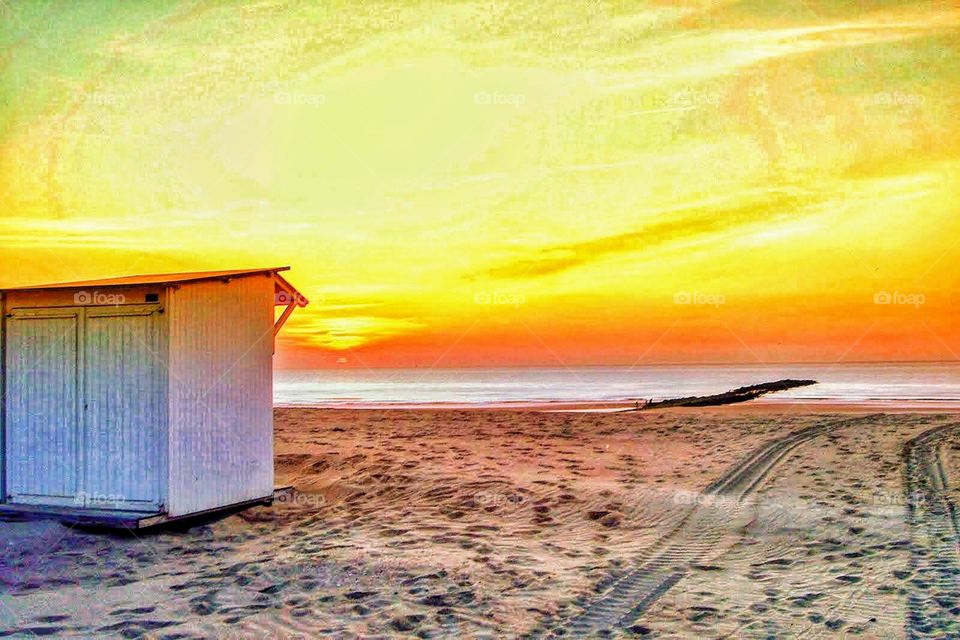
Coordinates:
(933, 606)
(624, 596)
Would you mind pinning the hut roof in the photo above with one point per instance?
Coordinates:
(150, 279)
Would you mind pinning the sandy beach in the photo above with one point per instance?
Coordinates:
(533, 320)
(759, 521)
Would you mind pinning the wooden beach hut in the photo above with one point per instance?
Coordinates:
(138, 400)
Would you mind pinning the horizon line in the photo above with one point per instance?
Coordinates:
(623, 365)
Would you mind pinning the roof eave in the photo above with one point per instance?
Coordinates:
(159, 282)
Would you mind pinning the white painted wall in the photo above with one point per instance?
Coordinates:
(124, 407)
(221, 395)
(86, 408)
(42, 411)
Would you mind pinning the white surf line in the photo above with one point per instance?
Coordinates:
(629, 595)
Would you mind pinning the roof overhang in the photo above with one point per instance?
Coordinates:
(152, 279)
(285, 295)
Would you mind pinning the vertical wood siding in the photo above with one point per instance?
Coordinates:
(124, 409)
(41, 413)
(220, 393)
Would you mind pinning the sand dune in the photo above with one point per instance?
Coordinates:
(707, 523)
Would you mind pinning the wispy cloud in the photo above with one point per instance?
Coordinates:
(347, 332)
(664, 228)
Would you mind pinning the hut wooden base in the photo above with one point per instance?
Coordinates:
(129, 520)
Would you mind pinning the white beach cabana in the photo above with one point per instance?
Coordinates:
(137, 400)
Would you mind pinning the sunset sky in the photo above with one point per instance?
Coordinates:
(505, 183)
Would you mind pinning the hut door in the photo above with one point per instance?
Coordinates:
(124, 408)
(42, 406)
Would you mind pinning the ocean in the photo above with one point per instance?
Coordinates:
(924, 382)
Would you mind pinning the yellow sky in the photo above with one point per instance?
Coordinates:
(505, 183)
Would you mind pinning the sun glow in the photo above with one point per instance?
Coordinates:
(494, 183)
